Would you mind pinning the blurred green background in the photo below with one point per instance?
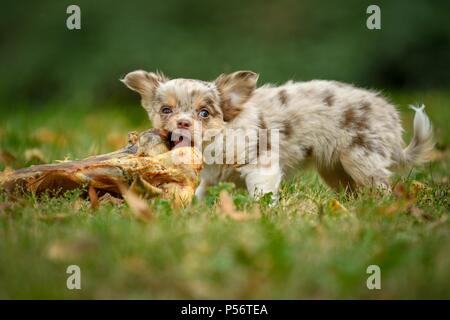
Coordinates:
(60, 98)
(41, 60)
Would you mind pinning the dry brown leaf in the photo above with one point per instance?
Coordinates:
(405, 200)
(403, 203)
(440, 222)
(93, 197)
(48, 136)
(419, 213)
(116, 140)
(135, 264)
(108, 198)
(7, 157)
(437, 155)
(70, 250)
(336, 207)
(227, 208)
(34, 155)
(401, 192)
(139, 207)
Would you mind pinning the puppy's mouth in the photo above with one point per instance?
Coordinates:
(180, 138)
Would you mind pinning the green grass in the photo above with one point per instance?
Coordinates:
(301, 248)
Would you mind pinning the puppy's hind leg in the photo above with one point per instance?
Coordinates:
(367, 168)
(337, 178)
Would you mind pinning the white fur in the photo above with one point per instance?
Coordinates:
(353, 135)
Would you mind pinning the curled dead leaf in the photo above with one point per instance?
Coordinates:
(93, 197)
(401, 192)
(139, 207)
(135, 264)
(108, 198)
(419, 213)
(228, 209)
(336, 207)
(116, 140)
(48, 136)
(6, 157)
(67, 250)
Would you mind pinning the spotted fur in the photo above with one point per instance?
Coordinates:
(353, 135)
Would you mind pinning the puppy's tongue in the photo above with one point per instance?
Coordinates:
(182, 142)
(180, 138)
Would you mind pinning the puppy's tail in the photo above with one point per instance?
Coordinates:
(421, 146)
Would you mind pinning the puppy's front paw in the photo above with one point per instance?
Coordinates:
(200, 192)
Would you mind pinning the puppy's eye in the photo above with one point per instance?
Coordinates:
(203, 113)
(166, 110)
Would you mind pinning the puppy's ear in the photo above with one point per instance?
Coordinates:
(143, 82)
(235, 89)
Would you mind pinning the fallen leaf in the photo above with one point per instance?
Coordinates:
(34, 155)
(66, 250)
(139, 207)
(419, 213)
(135, 264)
(116, 140)
(93, 197)
(48, 136)
(440, 222)
(7, 157)
(407, 195)
(437, 155)
(336, 207)
(228, 209)
(400, 191)
(108, 198)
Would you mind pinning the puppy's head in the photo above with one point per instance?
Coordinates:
(189, 108)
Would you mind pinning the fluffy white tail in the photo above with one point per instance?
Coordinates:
(419, 150)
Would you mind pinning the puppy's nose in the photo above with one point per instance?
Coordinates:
(184, 123)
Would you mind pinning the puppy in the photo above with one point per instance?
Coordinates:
(353, 135)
